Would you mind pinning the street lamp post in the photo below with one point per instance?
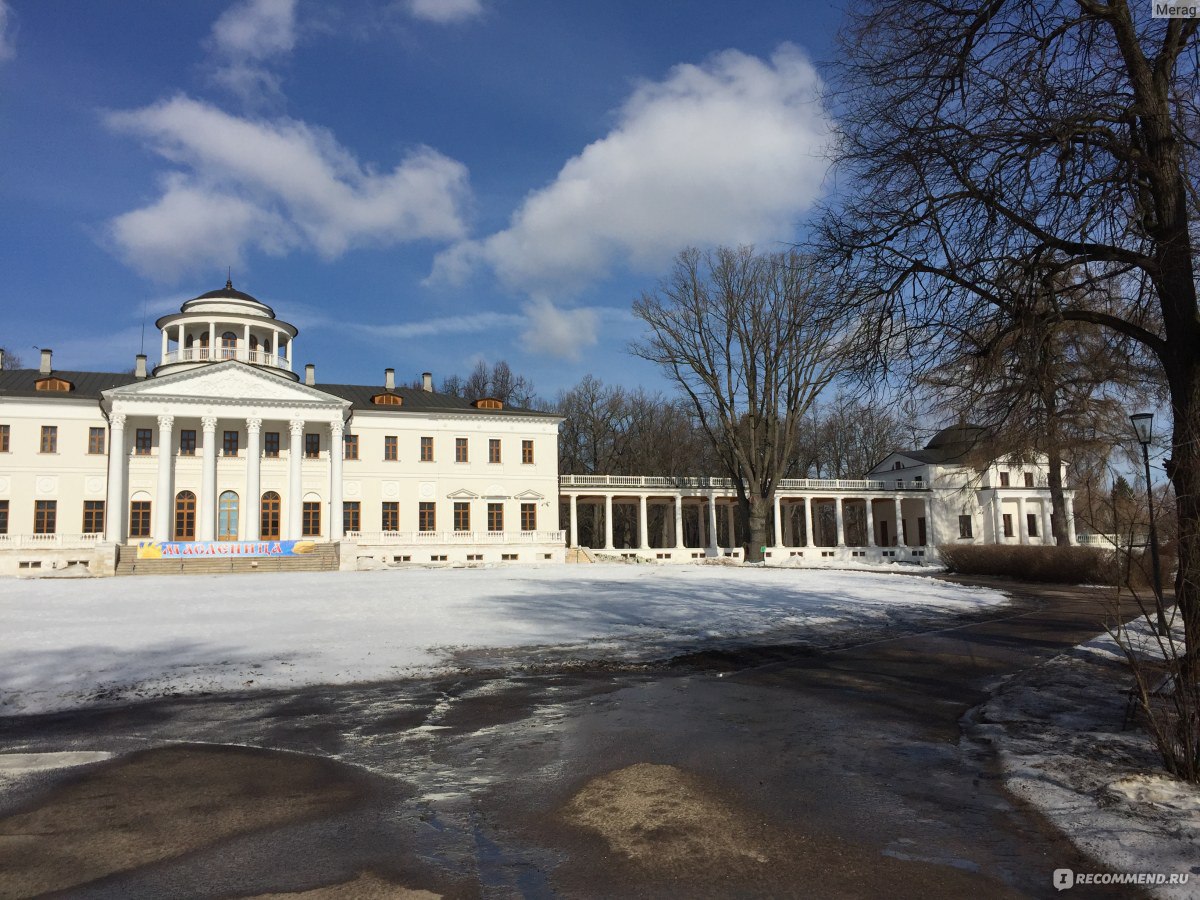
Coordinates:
(1143, 426)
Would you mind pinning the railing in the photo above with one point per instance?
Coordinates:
(457, 537)
(787, 484)
(49, 541)
(204, 354)
(1112, 541)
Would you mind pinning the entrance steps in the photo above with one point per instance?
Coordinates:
(579, 555)
(324, 558)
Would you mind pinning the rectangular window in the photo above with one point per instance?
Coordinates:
(230, 444)
(45, 516)
(187, 442)
(391, 516)
(312, 446)
(529, 517)
(427, 516)
(460, 450)
(49, 439)
(1008, 532)
(4, 439)
(143, 440)
(93, 516)
(1028, 479)
(1031, 524)
(350, 446)
(527, 452)
(312, 518)
(462, 516)
(96, 440)
(1003, 479)
(495, 517)
(139, 518)
(391, 448)
(3, 517)
(426, 449)
(494, 450)
(964, 527)
(351, 515)
(270, 444)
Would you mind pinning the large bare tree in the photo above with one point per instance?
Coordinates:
(1051, 134)
(750, 340)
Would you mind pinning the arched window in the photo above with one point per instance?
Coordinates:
(227, 517)
(269, 522)
(266, 346)
(204, 339)
(228, 345)
(188, 341)
(185, 516)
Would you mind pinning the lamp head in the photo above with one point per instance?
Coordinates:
(1143, 424)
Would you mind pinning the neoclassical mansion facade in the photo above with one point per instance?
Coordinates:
(223, 449)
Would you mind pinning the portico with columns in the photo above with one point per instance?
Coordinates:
(191, 444)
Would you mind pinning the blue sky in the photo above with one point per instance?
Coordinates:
(416, 183)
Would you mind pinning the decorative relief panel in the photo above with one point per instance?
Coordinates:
(390, 489)
(5, 485)
(46, 485)
(94, 486)
(427, 490)
(352, 488)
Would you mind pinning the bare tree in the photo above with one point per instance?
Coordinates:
(8, 359)
(1055, 134)
(750, 340)
(846, 437)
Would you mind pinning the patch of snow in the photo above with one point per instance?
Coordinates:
(1059, 733)
(14, 766)
(78, 642)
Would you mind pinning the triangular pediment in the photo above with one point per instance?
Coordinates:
(225, 381)
(462, 494)
(530, 495)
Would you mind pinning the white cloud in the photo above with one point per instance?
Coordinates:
(730, 151)
(470, 323)
(274, 185)
(445, 11)
(8, 32)
(246, 36)
(556, 332)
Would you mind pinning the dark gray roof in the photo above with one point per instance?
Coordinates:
(88, 385)
(360, 396)
(953, 444)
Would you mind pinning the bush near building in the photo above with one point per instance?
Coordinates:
(1062, 565)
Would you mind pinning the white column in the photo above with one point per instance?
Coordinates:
(179, 343)
(778, 522)
(253, 501)
(212, 340)
(930, 538)
(839, 517)
(731, 523)
(207, 525)
(679, 521)
(814, 530)
(1047, 526)
(335, 480)
(899, 523)
(807, 526)
(574, 520)
(114, 507)
(712, 521)
(295, 500)
(643, 519)
(1022, 522)
(244, 350)
(164, 497)
(608, 528)
(165, 339)
(997, 517)
(1069, 509)
(870, 523)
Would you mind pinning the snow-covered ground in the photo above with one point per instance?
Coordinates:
(73, 642)
(1059, 732)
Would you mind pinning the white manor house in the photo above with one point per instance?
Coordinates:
(223, 457)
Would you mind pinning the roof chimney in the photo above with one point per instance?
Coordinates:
(140, 369)
(427, 382)
(310, 374)
(389, 379)
(1, 357)
(46, 367)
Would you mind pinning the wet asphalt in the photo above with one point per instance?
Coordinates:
(832, 772)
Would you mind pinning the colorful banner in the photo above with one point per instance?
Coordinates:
(202, 549)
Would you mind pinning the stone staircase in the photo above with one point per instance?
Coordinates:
(324, 558)
(579, 555)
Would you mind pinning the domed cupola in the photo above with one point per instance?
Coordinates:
(225, 324)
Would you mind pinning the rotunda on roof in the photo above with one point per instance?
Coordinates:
(226, 324)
